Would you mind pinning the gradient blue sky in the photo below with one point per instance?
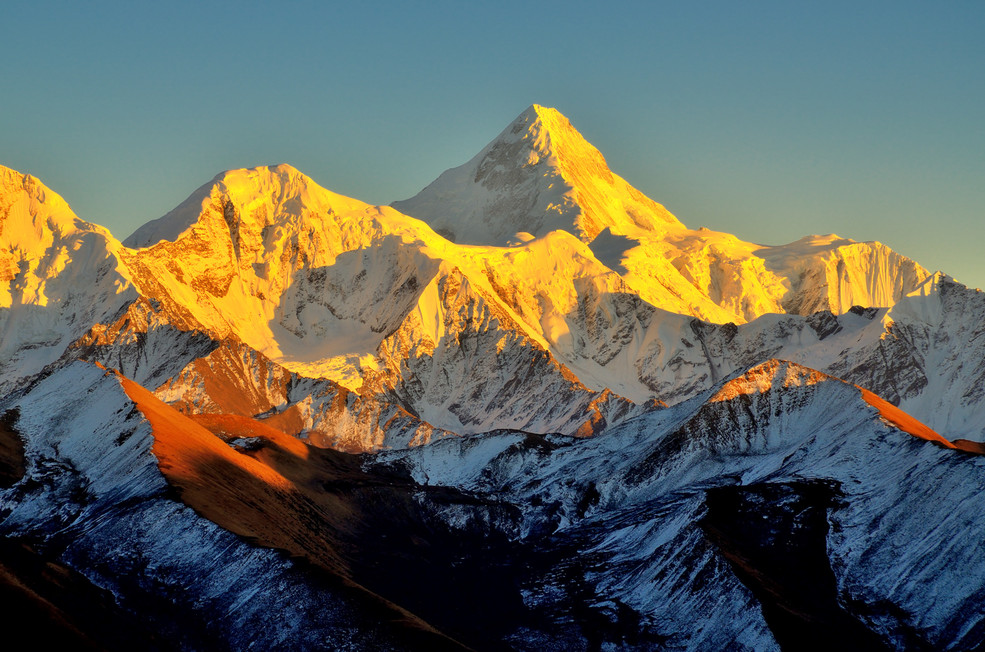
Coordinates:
(770, 120)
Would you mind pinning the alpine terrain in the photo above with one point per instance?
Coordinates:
(527, 408)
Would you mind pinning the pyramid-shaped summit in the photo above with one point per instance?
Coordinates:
(538, 175)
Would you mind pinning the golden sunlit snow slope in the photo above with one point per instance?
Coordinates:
(333, 288)
(299, 273)
(592, 300)
(748, 280)
(540, 175)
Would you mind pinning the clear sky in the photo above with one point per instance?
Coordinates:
(770, 120)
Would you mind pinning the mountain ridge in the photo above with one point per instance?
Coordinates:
(281, 417)
(261, 250)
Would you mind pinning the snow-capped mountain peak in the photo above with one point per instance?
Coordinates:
(538, 175)
(564, 429)
(263, 195)
(265, 256)
(32, 215)
(58, 274)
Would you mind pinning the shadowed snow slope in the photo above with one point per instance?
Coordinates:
(628, 508)
(608, 540)
(95, 500)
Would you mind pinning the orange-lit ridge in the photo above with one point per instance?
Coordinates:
(900, 419)
(274, 499)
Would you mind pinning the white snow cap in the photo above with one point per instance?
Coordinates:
(538, 175)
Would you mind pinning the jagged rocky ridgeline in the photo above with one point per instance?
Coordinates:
(574, 401)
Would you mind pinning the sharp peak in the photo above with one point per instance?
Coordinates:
(540, 118)
(558, 178)
(540, 111)
(281, 184)
(30, 188)
(548, 132)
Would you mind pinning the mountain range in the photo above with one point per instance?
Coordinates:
(526, 408)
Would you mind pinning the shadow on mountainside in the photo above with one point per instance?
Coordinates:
(610, 249)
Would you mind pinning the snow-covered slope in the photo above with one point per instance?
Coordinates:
(274, 260)
(329, 287)
(782, 493)
(720, 506)
(923, 354)
(470, 338)
(812, 274)
(58, 276)
(94, 502)
(235, 379)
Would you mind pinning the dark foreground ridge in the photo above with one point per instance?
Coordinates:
(773, 536)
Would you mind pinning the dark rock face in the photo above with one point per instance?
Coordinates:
(773, 536)
(824, 324)
(62, 609)
(12, 462)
